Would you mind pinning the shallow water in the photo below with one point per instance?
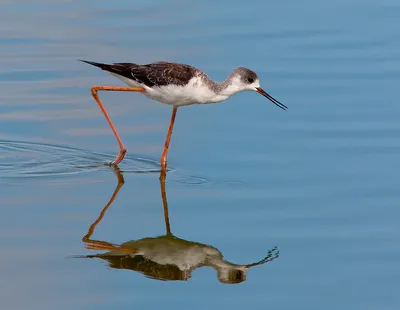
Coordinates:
(318, 182)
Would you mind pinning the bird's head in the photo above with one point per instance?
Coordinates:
(246, 79)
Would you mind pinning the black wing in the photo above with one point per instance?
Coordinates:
(155, 74)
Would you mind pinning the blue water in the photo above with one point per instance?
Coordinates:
(319, 181)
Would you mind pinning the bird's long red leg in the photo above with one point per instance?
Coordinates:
(163, 158)
(95, 89)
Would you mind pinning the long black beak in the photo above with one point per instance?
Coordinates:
(266, 95)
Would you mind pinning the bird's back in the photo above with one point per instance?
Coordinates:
(159, 73)
(167, 82)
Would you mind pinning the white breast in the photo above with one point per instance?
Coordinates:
(196, 91)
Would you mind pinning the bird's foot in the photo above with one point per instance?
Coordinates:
(163, 162)
(111, 164)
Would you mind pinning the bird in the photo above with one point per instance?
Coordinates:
(176, 85)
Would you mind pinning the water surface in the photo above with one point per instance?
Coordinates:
(318, 182)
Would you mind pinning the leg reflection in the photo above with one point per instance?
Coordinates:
(165, 203)
(103, 245)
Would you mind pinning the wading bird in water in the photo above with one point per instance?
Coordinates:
(176, 85)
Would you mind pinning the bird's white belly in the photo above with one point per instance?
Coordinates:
(195, 91)
(173, 95)
(191, 93)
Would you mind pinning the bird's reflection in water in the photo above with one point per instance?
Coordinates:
(166, 257)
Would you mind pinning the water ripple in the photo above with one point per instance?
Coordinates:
(25, 160)
(20, 159)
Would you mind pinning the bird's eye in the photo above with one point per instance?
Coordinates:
(250, 80)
